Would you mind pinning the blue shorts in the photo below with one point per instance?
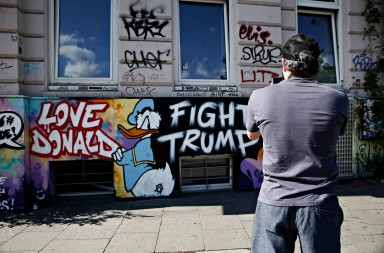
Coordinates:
(275, 228)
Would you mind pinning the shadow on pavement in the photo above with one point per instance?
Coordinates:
(96, 210)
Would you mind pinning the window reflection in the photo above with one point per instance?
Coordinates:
(319, 26)
(84, 39)
(202, 41)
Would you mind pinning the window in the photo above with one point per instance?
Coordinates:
(321, 24)
(206, 173)
(203, 48)
(82, 41)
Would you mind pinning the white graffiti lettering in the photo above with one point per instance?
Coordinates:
(71, 130)
(209, 115)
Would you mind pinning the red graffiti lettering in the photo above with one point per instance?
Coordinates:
(251, 76)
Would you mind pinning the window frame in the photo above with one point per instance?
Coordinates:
(335, 5)
(54, 50)
(334, 9)
(177, 47)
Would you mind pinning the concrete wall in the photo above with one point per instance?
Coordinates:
(356, 60)
(23, 54)
(26, 49)
(26, 42)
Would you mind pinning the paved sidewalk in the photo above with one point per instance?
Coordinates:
(201, 222)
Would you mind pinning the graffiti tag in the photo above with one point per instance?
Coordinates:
(246, 32)
(261, 54)
(31, 69)
(146, 24)
(4, 65)
(140, 91)
(140, 59)
(363, 62)
(257, 75)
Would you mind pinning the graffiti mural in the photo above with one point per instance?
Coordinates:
(143, 138)
(141, 175)
(13, 153)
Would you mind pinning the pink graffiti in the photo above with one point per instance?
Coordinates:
(246, 32)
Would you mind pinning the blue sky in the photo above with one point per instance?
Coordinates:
(84, 38)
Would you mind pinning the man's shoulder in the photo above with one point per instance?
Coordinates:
(335, 92)
(259, 92)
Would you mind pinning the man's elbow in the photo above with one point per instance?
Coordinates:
(253, 135)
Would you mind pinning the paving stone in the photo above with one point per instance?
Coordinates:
(147, 212)
(46, 228)
(76, 246)
(170, 219)
(216, 210)
(182, 237)
(227, 251)
(248, 225)
(91, 231)
(360, 226)
(221, 222)
(28, 241)
(362, 243)
(132, 242)
(7, 233)
(226, 239)
(140, 224)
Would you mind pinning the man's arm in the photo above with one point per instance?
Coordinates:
(253, 135)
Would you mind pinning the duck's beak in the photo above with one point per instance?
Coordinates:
(135, 132)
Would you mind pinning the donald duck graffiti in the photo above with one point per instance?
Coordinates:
(141, 175)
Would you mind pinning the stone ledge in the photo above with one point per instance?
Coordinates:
(88, 94)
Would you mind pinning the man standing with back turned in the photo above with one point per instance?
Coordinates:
(300, 121)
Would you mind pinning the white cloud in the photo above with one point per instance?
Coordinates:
(201, 69)
(81, 62)
(82, 69)
(69, 39)
(75, 53)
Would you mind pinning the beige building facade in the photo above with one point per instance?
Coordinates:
(145, 52)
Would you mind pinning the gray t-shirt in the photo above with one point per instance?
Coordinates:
(300, 122)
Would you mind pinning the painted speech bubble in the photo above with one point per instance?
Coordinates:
(11, 128)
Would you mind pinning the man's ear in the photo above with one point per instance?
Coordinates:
(283, 64)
